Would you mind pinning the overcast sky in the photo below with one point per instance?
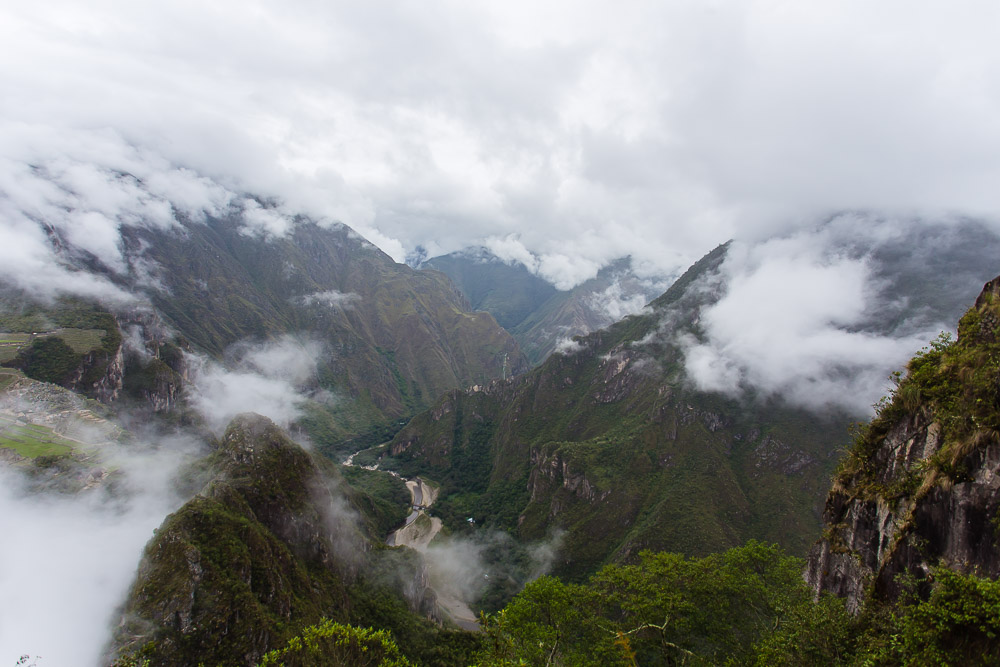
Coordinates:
(560, 134)
(574, 131)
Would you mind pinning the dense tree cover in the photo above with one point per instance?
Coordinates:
(746, 606)
(668, 609)
(49, 360)
(957, 624)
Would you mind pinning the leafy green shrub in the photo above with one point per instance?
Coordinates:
(549, 622)
(330, 644)
(959, 624)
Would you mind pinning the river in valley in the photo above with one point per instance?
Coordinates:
(418, 532)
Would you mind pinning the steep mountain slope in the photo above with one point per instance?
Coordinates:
(387, 339)
(251, 554)
(393, 338)
(268, 546)
(609, 444)
(506, 290)
(538, 315)
(921, 485)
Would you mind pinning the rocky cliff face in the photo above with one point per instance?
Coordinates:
(108, 385)
(155, 369)
(921, 486)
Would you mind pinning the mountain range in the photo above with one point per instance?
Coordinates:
(610, 447)
(539, 316)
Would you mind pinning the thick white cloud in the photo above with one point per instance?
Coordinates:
(273, 379)
(68, 560)
(804, 316)
(586, 130)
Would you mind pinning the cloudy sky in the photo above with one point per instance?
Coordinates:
(559, 134)
(573, 131)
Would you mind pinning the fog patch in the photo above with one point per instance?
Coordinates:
(455, 569)
(807, 317)
(615, 302)
(264, 222)
(567, 271)
(568, 347)
(70, 559)
(342, 523)
(134, 342)
(330, 299)
(274, 379)
(487, 568)
(510, 249)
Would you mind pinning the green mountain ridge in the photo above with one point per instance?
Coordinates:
(391, 339)
(394, 338)
(269, 546)
(609, 444)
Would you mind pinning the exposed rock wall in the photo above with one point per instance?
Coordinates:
(926, 491)
(154, 370)
(108, 387)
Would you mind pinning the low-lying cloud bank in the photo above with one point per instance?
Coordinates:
(68, 560)
(66, 194)
(572, 132)
(822, 316)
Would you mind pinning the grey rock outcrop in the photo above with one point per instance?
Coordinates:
(925, 492)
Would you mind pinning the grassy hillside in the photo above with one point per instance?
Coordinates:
(32, 441)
